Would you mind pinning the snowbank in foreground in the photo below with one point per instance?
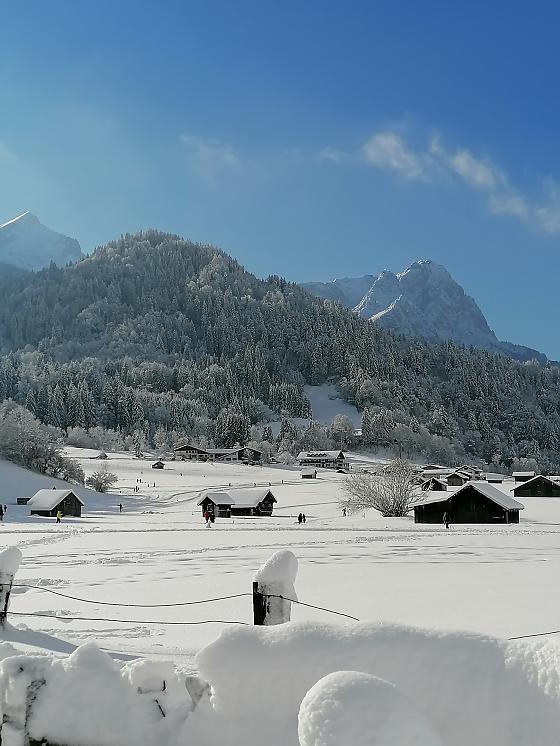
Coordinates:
(355, 708)
(473, 690)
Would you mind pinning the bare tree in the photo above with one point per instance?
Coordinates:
(392, 492)
(102, 480)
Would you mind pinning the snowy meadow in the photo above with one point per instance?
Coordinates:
(492, 581)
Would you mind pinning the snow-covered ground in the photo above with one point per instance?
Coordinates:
(495, 580)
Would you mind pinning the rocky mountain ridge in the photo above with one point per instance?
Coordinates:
(425, 302)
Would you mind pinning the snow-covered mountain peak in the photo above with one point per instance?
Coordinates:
(26, 243)
(422, 301)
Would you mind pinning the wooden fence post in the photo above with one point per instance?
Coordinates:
(9, 562)
(259, 605)
(273, 589)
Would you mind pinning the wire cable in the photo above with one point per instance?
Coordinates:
(311, 606)
(121, 621)
(130, 606)
(537, 634)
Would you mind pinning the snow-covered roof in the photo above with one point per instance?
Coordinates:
(49, 499)
(552, 480)
(487, 490)
(242, 498)
(320, 455)
(523, 473)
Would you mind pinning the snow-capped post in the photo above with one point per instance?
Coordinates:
(10, 560)
(273, 589)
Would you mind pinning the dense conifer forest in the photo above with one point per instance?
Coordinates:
(157, 339)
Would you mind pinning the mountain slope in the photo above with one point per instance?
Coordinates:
(424, 301)
(155, 334)
(28, 244)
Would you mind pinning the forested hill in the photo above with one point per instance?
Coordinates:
(153, 332)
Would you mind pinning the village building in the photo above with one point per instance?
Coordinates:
(309, 473)
(493, 478)
(475, 502)
(244, 454)
(158, 465)
(458, 478)
(47, 503)
(255, 501)
(538, 486)
(434, 485)
(522, 476)
(323, 459)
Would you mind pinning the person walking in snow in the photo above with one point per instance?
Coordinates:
(58, 516)
(446, 519)
(300, 519)
(1, 513)
(120, 507)
(303, 517)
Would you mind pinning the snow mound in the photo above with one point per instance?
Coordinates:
(281, 567)
(10, 560)
(473, 689)
(348, 707)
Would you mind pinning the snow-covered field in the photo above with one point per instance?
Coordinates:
(494, 580)
(499, 581)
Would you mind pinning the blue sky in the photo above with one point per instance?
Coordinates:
(310, 139)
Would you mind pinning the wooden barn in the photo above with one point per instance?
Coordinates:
(434, 485)
(538, 486)
(458, 479)
(255, 501)
(323, 459)
(522, 476)
(475, 502)
(158, 465)
(48, 502)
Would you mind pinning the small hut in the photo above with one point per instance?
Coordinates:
(475, 502)
(158, 465)
(47, 503)
(309, 473)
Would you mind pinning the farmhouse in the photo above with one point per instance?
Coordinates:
(475, 502)
(49, 502)
(538, 486)
(244, 454)
(256, 501)
(323, 459)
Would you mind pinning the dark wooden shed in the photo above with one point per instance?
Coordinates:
(47, 503)
(457, 479)
(158, 465)
(257, 501)
(538, 486)
(475, 502)
(434, 485)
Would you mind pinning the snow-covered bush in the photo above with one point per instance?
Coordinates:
(392, 493)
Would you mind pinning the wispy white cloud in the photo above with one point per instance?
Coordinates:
(210, 157)
(388, 150)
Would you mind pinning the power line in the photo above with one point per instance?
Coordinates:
(130, 606)
(121, 621)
